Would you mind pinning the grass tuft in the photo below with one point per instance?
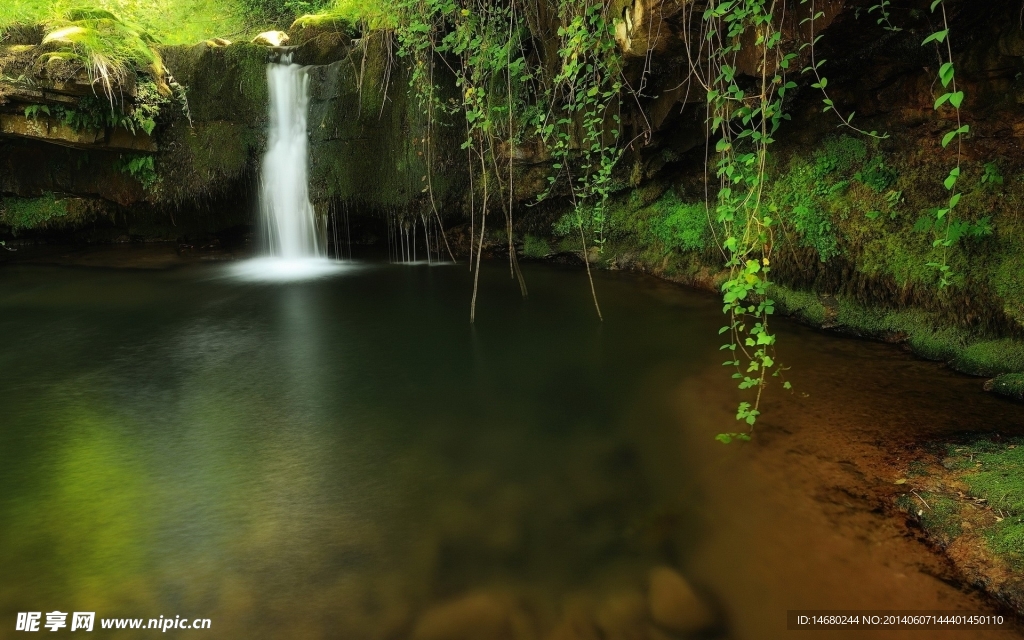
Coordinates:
(109, 50)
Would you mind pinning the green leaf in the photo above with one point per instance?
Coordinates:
(952, 134)
(946, 73)
(950, 180)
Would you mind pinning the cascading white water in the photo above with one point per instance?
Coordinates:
(287, 213)
(288, 223)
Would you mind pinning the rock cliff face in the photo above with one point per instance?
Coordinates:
(369, 142)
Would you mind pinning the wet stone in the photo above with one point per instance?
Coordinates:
(674, 605)
(477, 616)
(623, 616)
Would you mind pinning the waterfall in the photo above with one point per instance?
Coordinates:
(287, 221)
(287, 214)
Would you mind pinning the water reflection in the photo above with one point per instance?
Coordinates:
(347, 458)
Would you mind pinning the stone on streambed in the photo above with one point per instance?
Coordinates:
(576, 624)
(674, 605)
(620, 615)
(623, 616)
(476, 616)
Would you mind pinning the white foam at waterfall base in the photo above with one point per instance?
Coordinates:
(287, 221)
(271, 269)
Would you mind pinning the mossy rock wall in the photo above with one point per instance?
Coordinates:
(370, 138)
(369, 145)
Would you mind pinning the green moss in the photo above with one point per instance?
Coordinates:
(876, 175)
(204, 159)
(534, 247)
(1008, 280)
(799, 303)
(645, 194)
(994, 472)
(925, 332)
(941, 345)
(839, 156)
(323, 22)
(939, 515)
(664, 226)
(991, 357)
(1008, 384)
(372, 148)
(1006, 538)
(1000, 475)
(917, 469)
(901, 256)
(32, 213)
(869, 321)
(376, 14)
(809, 195)
(681, 226)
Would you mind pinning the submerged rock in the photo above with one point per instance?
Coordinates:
(576, 624)
(623, 616)
(477, 616)
(674, 605)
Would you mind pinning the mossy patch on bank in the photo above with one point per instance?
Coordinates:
(996, 475)
(32, 213)
(968, 499)
(990, 499)
(937, 514)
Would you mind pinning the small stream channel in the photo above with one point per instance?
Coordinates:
(336, 458)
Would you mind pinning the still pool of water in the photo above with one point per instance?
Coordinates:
(339, 457)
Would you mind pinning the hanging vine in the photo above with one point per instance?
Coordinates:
(745, 117)
(572, 107)
(815, 65)
(948, 229)
(581, 126)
